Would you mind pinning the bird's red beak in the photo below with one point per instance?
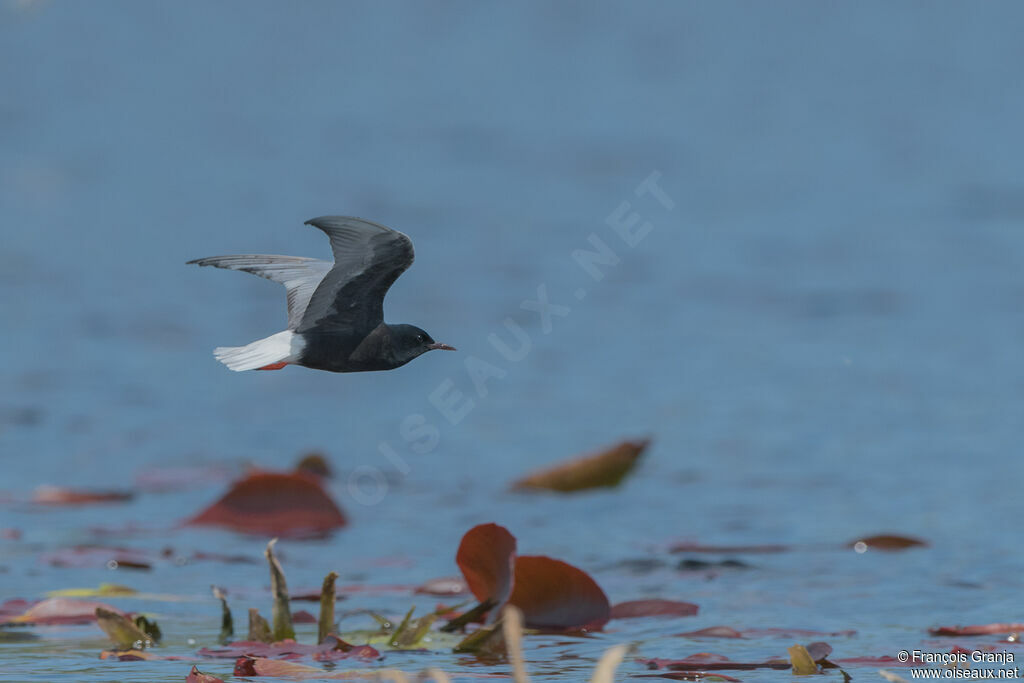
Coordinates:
(436, 346)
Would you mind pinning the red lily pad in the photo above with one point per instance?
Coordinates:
(86, 556)
(976, 630)
(59, 611)
(552, 595)
(886, 542)
(332, 648)
(272, 503)
(197, 676)
(486, 557)
(555, 595)
(58, 495)
(303, 617)
(653, 608)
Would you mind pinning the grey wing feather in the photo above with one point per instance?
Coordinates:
(368, 258)
(299, 275)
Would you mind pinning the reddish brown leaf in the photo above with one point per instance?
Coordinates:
(139, 655)
(303, 617)
(977, 630)
(60, 611)
(97, 556)
(556, 595)
(256, 666)
(332, 648)
(653, 608)
(712, 632)
(275, 504)
(14, 607)
(56, 495)
(887, 542)
(486, 557)
(606, 468)
(196, 676)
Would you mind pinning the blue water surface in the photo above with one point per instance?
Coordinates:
(820, 329)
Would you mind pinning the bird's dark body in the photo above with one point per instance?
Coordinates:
(335, 311)
(336, 352)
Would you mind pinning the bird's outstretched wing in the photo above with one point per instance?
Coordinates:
(300, 276)
(368, 258)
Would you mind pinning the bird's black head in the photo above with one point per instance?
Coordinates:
(409, 341)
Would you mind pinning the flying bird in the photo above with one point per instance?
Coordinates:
(335, 310)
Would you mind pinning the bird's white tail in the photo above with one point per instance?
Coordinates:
(283, 347)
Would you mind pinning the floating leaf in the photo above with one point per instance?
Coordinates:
(555, 595)
(303, 617)
(259, 666)
(105, 590)
(486, 557)
(333, 648)
(85, 556)
(691, 564)
(283, 504)
(281, 613)
(976, 630)
(550, 593)
(56, 495)
(886, 542)
(653, 608)
(327, 599)
(61, 611)
(604, 469)
(122, 632)
(197, 676)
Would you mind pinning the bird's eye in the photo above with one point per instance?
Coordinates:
(420, 338)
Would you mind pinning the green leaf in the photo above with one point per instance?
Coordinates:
(281, 613)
